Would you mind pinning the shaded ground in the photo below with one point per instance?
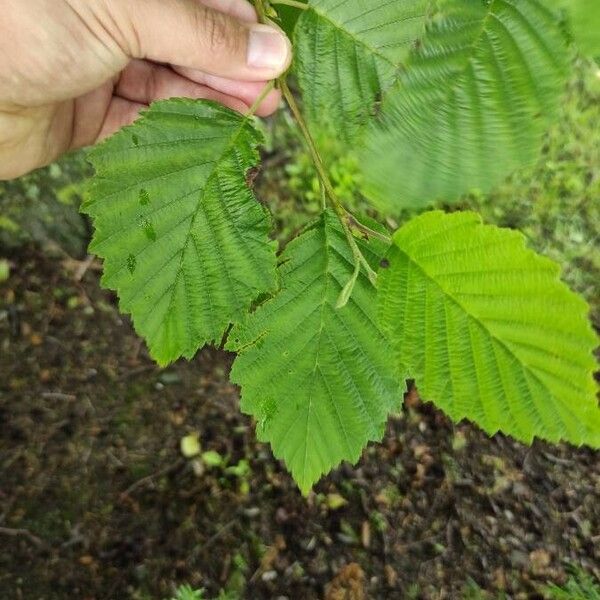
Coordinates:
(97, 502)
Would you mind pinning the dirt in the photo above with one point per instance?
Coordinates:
(97, 501)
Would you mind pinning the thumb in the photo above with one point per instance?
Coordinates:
(187, 33)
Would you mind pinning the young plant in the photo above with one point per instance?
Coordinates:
(437, 98)
(186, 592)
(580, 586)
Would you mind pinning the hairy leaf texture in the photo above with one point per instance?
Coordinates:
(347, 52)
(488, 330)
(472, 104)
(185, 243)
(320, 381)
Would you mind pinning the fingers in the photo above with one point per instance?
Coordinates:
(89, 113)
(145, 82)
(120, 113)
(240, 9)
(246, 91)
(191, 34)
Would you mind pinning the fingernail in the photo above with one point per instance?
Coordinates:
(267, 48)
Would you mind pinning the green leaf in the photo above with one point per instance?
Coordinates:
(579, 586)
(471, 106)
(348, 52)
(585, 24)
(184, 240)
(212, 459)
(319, 380)
(4, 270)
(488, 330)
(186, 592)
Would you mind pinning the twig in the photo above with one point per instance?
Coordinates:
(83, 267)
(36, 541)
(137, 371)
(324, 178)
(325, 182)
(58, 396)
(149, 478)
(211, 540)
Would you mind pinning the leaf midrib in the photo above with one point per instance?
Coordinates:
(357, 40)
(477, 320)
(471, 50)
(198, 206)
(319, 338)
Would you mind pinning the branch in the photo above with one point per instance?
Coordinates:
(36, 541)
(341, 212)
(325, 181)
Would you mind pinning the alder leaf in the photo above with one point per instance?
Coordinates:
(319, 380)
(488, 331)
(348, 52)
(584, 16)
(472, 105)
(184, 241)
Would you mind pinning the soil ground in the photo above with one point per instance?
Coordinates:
(97, 501)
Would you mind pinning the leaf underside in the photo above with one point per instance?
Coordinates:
(347, 53)
(471, 106)
(185, 243)
(320, 381)
(488, 331)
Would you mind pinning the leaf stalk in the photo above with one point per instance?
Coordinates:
(265, 92)
(344, 217)
(293, 3)
(337, 206)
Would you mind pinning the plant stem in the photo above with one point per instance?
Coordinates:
(340, 211)
(265, 92)
(293, 3)
(260, 9)
(312, 147)
(323, 195)
(344, 217)
(354, 223)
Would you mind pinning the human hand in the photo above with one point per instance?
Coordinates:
(75, 71)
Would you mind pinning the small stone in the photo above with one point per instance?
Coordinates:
(391, 577)
(281, 516)
(36, 339)
(198, 468)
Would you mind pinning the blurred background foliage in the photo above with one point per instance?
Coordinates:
(42, 208)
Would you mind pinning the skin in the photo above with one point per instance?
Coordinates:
(73, 72)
